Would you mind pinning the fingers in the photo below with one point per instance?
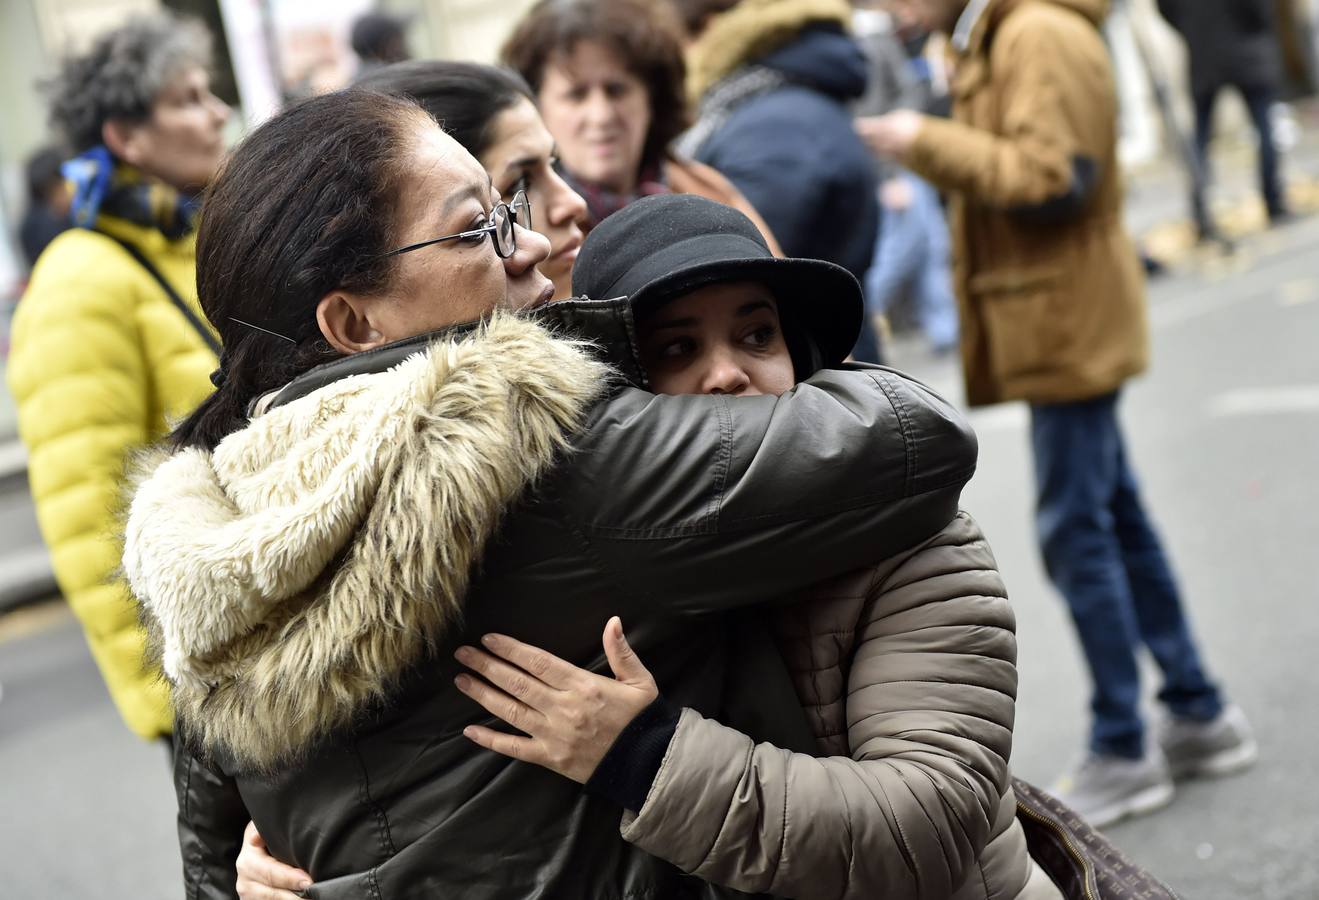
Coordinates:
(261, 876)
(512, 680)
(501, 705)
(626, 665)
(511, 745)
(544, 666)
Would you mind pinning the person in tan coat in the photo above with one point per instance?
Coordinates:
(1053, 313)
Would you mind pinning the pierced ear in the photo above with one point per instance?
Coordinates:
(120, 135)
(345, 322)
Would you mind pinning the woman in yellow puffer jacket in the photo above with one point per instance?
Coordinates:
(108, 342)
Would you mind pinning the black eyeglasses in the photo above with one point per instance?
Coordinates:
(501, 229)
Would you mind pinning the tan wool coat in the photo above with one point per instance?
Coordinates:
(1052, 309)
(907, 672)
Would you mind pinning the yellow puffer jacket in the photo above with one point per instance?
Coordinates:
(102, 360)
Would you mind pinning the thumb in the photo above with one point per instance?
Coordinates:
(624, 663)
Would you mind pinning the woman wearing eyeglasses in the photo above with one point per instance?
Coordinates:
(393, 465)
(492, 113)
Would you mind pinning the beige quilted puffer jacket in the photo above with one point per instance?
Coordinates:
(908, 674)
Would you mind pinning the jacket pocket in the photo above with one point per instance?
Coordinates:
(1020, 310)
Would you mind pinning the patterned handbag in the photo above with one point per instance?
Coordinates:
(1082, 862)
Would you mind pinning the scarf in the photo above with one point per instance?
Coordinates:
(722, 99)
(601, 202)
(101, 185)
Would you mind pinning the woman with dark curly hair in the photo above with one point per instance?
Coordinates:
(108, 343)
(609, 79)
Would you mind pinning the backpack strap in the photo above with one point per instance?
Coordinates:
(198, 325)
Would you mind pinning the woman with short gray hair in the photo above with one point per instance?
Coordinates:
(108, 343)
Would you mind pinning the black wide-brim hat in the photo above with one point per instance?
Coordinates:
(658, 248)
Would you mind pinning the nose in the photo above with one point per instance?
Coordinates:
(724, 375)
(565, 205)
(532, 248)
(599, 108)
(220, 111)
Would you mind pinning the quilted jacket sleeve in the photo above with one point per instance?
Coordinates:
(848, 468)
(931, 696)
(1052, 82)
(79, 377)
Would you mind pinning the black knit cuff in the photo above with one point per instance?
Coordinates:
(629, 768)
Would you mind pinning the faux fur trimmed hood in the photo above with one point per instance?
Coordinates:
(291, 576)
(750, 31)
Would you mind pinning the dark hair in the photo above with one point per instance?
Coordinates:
(465, 98)
(122, 73)
(43, 173)
(304, 205)
(696, 14)
(379, 37)
(645, 35)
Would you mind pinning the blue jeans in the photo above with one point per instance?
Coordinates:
(1103, 555)
(912, 254)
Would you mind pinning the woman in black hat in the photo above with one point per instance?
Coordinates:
(905, 669)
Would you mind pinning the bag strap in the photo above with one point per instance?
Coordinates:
(200, 327)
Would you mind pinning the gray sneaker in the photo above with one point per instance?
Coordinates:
(1105, 789)
(1221, 746)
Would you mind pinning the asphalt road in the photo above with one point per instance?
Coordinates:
(1225, 434)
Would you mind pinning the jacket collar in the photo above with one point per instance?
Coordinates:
(966, 24)
(981, 18)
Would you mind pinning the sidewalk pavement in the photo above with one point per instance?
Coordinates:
(1158, 193)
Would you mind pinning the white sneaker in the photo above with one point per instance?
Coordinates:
(1105, 789)
(1221, 746)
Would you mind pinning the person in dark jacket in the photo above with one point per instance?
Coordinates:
(383, 474)
(48, 200)
(1232, 43)
(773, 80)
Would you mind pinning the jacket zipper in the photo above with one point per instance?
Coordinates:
(1091, 883)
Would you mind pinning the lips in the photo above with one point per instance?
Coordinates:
(568, 252)
(545, 296)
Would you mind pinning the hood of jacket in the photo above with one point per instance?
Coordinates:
(289, 578)
(804, 39)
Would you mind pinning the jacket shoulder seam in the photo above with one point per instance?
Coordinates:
(904, 427)
(722, 464)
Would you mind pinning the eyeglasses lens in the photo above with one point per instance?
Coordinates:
(521, 207)
(505, 242)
